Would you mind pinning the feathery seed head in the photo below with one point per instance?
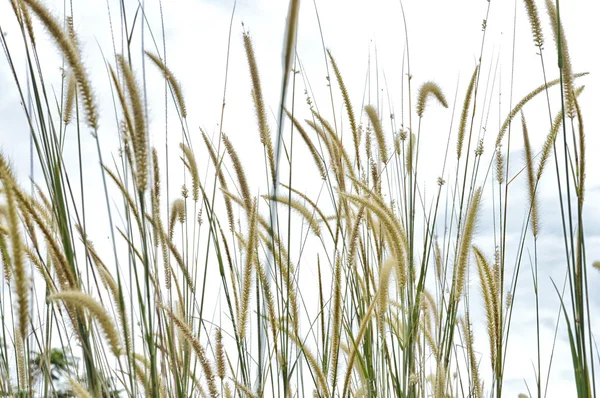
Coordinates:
(71, 53)
(378, 129)
(140, 134)
(177, 214)
(429, 89)
(239, 171)
(220, 354)
(173, 83)
(534, 21)
(531, 181)
(564, 59)
(21, 279)
(190, 163)
(462, 259)
(499, 165)
(70, 94)
(465, 113)
(348, 104)
(83, 301)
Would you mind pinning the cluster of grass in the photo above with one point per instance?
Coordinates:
(392, 316)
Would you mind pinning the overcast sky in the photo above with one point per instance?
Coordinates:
(444, 43)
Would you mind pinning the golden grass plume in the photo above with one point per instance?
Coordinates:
(564, 59)
(247, 273)
(241, 176)
(348, 105)
(531, 181)
(465, 113)
(190, 163)
(336, 319)
(81, 300)
(534, 22)
(311, 147)
(188, 334)
(378, 129)
(78, 389)
(300, 208)
(171, 80)
(517, 108)
(140, 133)
(462, 258)
(551, 137)
(429, 89)
(491, 300)
(17, 261)
(70, 92)
(69, 50)
(257, 97)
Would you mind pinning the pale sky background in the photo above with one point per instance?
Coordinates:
(445, 42)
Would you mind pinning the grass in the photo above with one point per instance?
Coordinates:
(388, 311)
